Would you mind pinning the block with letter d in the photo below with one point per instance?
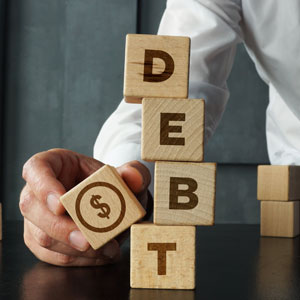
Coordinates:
(184, 193)
(156, 66)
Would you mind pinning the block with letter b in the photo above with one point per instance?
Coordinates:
(102, 206)
(156, 66)
(184, 193)
(162, 256)
(172, 129)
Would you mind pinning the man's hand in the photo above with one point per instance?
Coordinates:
(49, 233)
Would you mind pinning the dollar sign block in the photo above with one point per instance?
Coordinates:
(104, 207)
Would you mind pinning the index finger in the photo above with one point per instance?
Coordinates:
(41, 173)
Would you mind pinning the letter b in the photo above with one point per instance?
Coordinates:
(175, 193)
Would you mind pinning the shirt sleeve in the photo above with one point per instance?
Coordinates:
(213, 27)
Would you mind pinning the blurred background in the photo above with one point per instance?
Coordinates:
(62, 76)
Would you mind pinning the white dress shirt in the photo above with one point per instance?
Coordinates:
(270, 30)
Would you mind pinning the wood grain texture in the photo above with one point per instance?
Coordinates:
(278, 183)
(172, 129)
(168, 50)
(184, 193)
(102, 206)
(279, 219)
(179, 263)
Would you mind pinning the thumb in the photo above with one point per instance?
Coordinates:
(136, 176)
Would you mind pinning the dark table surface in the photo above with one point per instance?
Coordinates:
(233, 262)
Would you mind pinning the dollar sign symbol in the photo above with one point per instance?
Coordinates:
(104, 207)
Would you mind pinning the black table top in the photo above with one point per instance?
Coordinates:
(233, 262)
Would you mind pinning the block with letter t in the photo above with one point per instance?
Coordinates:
(156, 66)
(162, 256)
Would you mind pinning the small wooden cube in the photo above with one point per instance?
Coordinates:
(184, 193)
(151, 294)
(280, 219)
(172, 129)
(156, 66)
(102, 206)
(278, 183)
(162, 257)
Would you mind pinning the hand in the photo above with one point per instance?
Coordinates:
(49, 233)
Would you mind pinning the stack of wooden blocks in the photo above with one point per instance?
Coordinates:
(278, 189)
(162, 253)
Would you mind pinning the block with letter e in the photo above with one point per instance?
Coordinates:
(184, 193)
(156, 66)
(162, 256)
(172, 129)
(102, 206)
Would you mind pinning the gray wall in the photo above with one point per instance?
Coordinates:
(2, 32)
(64, 76)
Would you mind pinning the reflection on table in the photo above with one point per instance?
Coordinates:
(150, 294)
(278, 269)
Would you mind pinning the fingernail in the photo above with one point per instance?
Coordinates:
(110, 250)
(53, 202)
(78, 241)
(136, 168)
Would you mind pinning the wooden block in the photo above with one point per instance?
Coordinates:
(184, 193)
(279, 219)
(151, 294)
(162, 257)
(278, 183)
(102, 206)
(156, 66)
(173, 129)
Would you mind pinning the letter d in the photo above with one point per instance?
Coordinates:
(148, 66)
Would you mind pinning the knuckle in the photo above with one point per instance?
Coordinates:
(29, 165)
(54, 258)
(56, 229)
(57, 151)
(25, 201)
(42, 238)
(25, 170)
(63, 259)
(54, 152)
